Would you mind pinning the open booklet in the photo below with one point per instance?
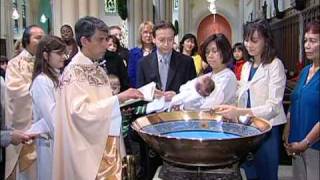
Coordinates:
(38, 127)
(147, 91)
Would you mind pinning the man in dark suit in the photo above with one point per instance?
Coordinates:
(166, 67)
(169, 70)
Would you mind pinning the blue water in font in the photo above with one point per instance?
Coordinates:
(200, 134)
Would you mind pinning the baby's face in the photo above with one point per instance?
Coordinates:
(115, 86)
(203, 87)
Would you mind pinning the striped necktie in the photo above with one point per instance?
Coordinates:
(163, 71)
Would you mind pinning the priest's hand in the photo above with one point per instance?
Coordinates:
(18, 137)
(130, 94)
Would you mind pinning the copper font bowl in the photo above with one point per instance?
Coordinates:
(155, 130)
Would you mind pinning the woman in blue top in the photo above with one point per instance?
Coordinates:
(135, 54)
(304, 126)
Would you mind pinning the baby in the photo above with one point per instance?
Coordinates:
(126, 117)
(114, 84)
(192, 99)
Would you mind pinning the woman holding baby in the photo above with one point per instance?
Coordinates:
(216, 51)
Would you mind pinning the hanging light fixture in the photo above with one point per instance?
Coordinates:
(15, 14)
(43, 19)
(213, 8)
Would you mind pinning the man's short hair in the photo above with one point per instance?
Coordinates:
(86, 27)
(163, 25)
(27, 34)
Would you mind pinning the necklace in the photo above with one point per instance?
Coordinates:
(146, 52)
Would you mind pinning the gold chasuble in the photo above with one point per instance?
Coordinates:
(19, 113)
(88, 119)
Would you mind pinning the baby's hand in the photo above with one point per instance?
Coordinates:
(175, 108)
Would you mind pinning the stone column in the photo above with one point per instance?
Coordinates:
(241, 20)
(169, 9)
(57, 16)
(8, 29)
(69, 12)
(163, 10)
(19, 8)
(301, 38)
(93, 8)
(134, 19)
(83, 8)
(255, 8)
(138, 11)
(184, 17)
(157, 10)
(147, 14)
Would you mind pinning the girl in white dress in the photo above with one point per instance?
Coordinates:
(50, 57)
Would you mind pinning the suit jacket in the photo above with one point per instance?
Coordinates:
(266, 91)
(181, 70)
(124, 53)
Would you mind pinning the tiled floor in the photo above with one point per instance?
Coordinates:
(285, 173)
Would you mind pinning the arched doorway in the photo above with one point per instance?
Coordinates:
(209, 26)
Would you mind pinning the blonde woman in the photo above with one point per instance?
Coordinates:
(135, 54)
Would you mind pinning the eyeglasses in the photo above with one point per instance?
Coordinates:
(169, 40)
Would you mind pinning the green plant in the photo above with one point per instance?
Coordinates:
(122, 9)
(176, 26)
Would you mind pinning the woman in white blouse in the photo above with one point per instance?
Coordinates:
(216, 51)
(50, 57)
(260, 94)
